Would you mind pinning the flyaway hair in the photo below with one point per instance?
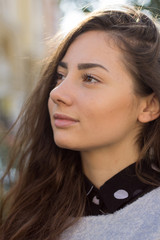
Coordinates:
(49, 193)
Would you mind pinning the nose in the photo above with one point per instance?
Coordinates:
(62, 94)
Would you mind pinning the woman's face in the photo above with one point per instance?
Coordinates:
(93, 104)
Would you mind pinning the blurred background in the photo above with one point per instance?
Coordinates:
(26, 27)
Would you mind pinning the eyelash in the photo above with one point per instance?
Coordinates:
(86, 77)
(59, 76)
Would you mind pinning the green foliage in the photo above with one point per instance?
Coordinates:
(153, 6)
(88, 5)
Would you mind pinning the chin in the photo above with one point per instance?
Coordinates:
(68, 146)
(65, 144)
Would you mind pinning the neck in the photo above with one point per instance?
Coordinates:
(99, 165)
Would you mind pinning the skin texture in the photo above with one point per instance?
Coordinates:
(103, 104)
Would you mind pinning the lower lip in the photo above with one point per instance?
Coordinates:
(61, 123)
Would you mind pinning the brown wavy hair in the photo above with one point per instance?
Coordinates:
(49, 193)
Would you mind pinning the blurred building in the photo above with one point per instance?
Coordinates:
(24, 27)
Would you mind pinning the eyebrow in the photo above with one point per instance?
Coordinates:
(82, 66)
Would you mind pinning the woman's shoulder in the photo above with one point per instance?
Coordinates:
(139, 220)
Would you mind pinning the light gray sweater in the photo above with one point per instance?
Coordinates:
(137, 221)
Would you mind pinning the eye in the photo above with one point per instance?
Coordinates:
(90, 79)
(59, 78)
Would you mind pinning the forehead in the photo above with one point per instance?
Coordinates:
(97, 46)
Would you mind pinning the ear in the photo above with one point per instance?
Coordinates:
(150, 109)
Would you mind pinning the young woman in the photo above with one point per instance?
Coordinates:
(89, 164)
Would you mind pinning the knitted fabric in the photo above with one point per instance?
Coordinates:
(137, 221)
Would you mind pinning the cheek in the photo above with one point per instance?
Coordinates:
(109, 111)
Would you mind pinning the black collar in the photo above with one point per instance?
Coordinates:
(123, 188)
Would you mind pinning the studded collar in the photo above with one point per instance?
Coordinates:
(122, 189)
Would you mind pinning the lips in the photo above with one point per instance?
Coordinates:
(62, 121)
